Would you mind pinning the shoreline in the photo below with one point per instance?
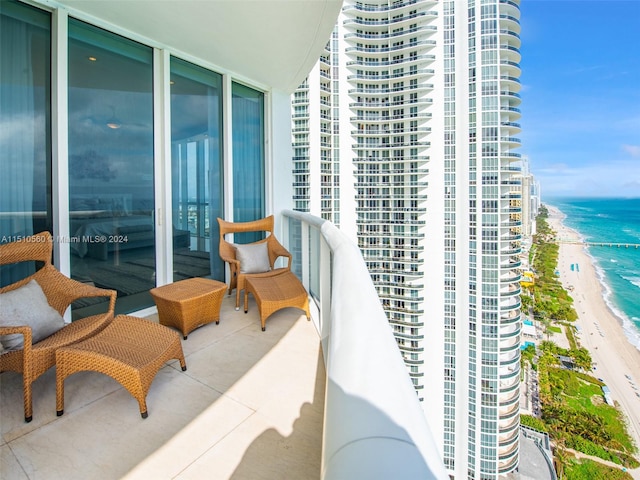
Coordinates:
(602, 332)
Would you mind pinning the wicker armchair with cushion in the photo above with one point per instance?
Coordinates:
(255, 259)
(31, 309)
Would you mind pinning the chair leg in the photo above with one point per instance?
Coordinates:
(59, 391)
(143, 408)
(28, 401)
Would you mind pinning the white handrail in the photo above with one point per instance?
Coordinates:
(374, 426)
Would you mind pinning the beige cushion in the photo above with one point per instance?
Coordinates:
(27, 305)
(253, 257)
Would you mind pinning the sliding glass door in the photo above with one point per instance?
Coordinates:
(25, 126)
(196, 170)
(248, 157)
(110, 132)
(111, 195)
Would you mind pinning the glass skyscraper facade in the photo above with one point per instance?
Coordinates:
(405, 135)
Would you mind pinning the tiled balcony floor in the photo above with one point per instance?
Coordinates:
(249, 406)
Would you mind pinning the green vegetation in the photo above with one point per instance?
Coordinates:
(590, 470)
(573, 410)
(533, 422)
(551, 300)
(527, 355)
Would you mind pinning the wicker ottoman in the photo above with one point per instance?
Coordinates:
(275, 293)
(130, 350)
(189, 304)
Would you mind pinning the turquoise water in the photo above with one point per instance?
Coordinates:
(615, 221)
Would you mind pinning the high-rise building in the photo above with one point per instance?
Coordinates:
(404, 136)
(530, 200)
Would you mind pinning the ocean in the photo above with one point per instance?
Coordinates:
(615, 221)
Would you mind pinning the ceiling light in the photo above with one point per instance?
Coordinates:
(113, 122)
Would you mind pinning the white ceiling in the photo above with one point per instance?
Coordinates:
(273, 42)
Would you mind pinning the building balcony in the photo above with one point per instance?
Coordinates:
(511, 81)
(510, 291)
(508, 457)
(511, 317)
(508, 328)
(510, 433)
(373, 119)
(510, 37)
(505, 307)
(510, 155)
(506, 399)
(511, 142)
(513, 112)
(244, 393)
(510, 331)
(251, 404)
(513, 169)
(512, 264)
(385, 22)
(385, 36)
(384, 8)
(512, 373)
(511, 236)
(407, 75)
(510, 52)
(508, 412)
(385, 64)
(509, 352)
(510, 21)
(511, 250)
(511, 358)
(511, 127)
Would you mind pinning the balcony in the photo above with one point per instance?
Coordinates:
(246, 399)
(302, 400)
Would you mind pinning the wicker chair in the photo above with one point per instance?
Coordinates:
(228, 252)
(35, 359)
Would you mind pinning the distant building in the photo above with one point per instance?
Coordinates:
(567, 362)
(536, 459)
(529, 330)
(530, 200)
(405, 135)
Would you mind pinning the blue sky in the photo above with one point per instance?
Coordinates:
(581, 96)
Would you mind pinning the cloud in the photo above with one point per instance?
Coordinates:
(633, 150)
(560, 169)
(632, 185)
(608, 178)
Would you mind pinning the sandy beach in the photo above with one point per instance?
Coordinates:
(617, 361)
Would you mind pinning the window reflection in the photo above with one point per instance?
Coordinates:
(111, 196)
(248, 157)
(196, 170)
(25, 140)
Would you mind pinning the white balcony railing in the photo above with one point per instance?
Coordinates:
(374, 426)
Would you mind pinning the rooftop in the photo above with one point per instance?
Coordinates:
(250, 405)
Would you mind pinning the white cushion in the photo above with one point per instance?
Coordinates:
(253, 257)
(27, 305)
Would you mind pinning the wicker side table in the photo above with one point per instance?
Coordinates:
(275, 293)
(130, 350)
(189, 304)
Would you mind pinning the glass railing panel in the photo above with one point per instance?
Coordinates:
(294, 245)
(315, 258)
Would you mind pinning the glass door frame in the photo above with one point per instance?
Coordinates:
(161, 145)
